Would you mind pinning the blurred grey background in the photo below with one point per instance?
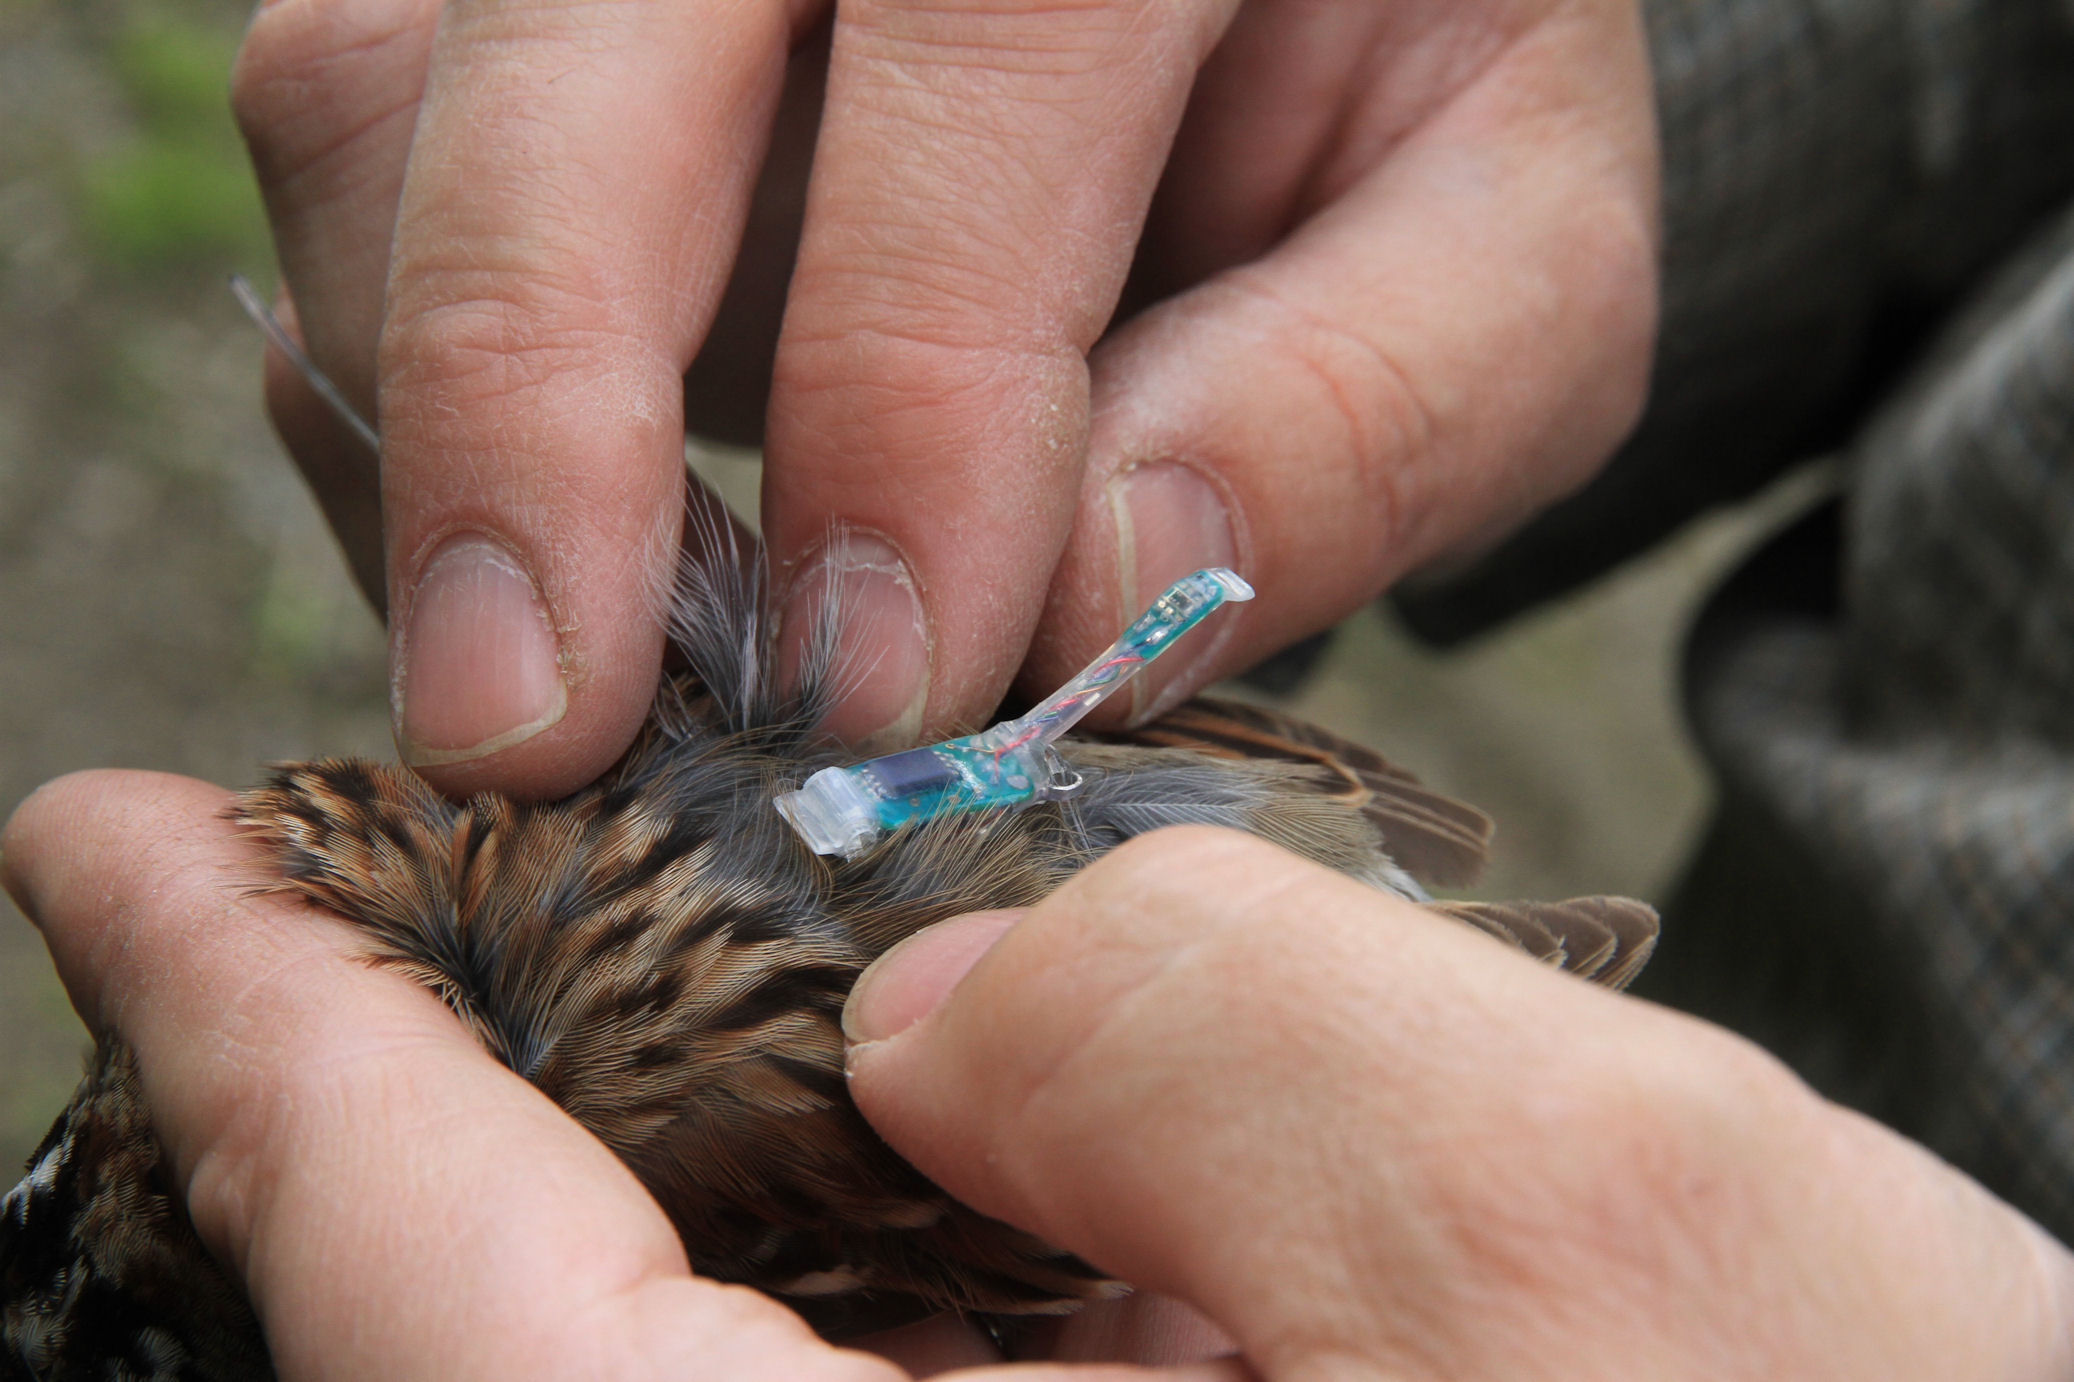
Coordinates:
(170, 599)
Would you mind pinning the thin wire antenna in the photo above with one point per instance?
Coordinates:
(278, 337)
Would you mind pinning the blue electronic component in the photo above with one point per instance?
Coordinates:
(909, 774)
(846, 810)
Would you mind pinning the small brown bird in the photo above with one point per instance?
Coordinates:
(662, 956)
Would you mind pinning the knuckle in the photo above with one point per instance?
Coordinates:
(1641, 1156)
(270, 61)
(449, 355)
(987, 26)
(938, 275)
(310, 76)
(934, 384)
(1383, 409)
(1385, 422)
(232, 1178)
(1038, 38)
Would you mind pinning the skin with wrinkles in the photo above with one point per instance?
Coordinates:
(1043, 305)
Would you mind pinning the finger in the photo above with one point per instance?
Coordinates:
(1073, 1043)
(575, 192)
(327, 95)
(1349, 1131)
(1456, 331)
(979, 181)
(345, 1144)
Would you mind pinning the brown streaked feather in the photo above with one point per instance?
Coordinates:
(101, 1271)
(664, 959)
(1604, 939)
(671, 971)
(1433, 837)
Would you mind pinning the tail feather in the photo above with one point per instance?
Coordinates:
(1433, 837)
(1604, 939)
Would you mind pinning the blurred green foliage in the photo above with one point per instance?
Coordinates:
(293, 623)
(179, 190)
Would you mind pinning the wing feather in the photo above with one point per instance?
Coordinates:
(1604, 939)
(1433, 837)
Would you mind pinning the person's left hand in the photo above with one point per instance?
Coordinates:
(353, 1155)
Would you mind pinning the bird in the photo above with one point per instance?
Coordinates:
(663, 956)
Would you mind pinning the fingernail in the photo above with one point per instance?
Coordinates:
(910, 981)
(480, 666)
(1169, 521)
(882, 641)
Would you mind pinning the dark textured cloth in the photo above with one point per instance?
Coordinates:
(1916, 743)
(1870, 220)
(1837, 176)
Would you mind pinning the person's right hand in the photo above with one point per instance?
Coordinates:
(1396, 289)
(1371, 1144)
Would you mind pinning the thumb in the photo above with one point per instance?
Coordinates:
(1367, 1142)
(1223, 1074)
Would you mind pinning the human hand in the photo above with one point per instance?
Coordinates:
(1356, 1137)
(1395, 290)
(1371, 1144)
(396, 1203)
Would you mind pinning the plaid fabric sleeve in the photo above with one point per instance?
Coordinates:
(1891, 713)
(1837, 173)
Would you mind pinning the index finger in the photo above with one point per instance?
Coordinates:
(399, 1204)
(978, 185)
(576, 186)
